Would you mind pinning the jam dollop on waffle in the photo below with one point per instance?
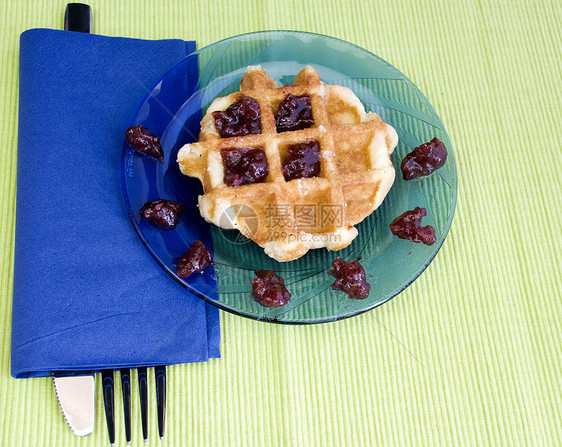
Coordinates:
(244, 166)
(328, 163)
(241, 118)
(303, 160)
(295, 113)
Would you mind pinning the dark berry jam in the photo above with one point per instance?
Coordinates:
(408, 226)
(141, 139)
(424, 159)
(303, 160)
(351, 278)
(295, 113)
(241, 118)
(196, 259)
(244, 166)
(163, 213)
(269, 289)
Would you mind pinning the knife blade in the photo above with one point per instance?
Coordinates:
(76, 396)
(76, 390)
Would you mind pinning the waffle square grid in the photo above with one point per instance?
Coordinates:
(291, 217)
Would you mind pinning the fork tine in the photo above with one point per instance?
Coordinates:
(143, 393)
(160, 378)
(108, 395)
(126, 387)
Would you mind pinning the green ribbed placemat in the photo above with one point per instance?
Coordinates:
(467, 355)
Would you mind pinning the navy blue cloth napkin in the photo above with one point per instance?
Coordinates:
(87, 294)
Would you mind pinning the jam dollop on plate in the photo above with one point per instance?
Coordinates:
(142, 140)
(295, 113)
(241, 118)
(244, 166)
(424, 159)
(196, 259)
(303, 160)
(269, 289)
(161, 212)
(351, 278)
(408, 226)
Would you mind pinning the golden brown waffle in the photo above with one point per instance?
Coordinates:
(292, 217)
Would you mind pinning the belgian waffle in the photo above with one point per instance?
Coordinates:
(294, 216)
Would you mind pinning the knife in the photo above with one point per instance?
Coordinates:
(76, 390)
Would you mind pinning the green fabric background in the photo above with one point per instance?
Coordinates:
(468, 355)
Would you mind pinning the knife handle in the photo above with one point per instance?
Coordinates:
(78, 17)
(108, 399)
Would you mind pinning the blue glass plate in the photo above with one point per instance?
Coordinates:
(173, 111)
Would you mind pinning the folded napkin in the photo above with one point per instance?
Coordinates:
(87, 294)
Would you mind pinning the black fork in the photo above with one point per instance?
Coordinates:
(109, 400)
